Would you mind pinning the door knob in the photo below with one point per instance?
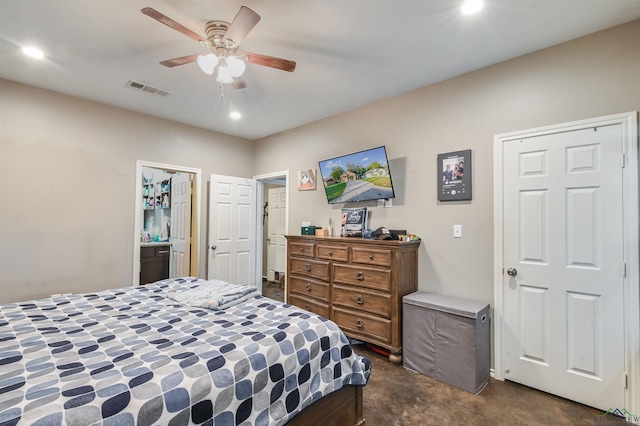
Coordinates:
(214, 247)
(512, 272)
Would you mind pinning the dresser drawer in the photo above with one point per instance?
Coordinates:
(363, 325)
(310, 268)
(371, 256)
(309, 305)
(301, 249)
(379, 279)
(338, 253)
(365, 300)
(309, 288)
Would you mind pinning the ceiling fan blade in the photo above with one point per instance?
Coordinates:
(239, 83)
(151, 12)
(180, 61)
(269, 61)
(244, 22)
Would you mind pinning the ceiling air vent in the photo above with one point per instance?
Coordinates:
(147, 88)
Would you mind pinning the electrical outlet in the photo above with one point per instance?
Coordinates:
(457, 231)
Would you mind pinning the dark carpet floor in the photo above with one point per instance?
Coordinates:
(396, 396)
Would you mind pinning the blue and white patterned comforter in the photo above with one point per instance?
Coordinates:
(132, 356)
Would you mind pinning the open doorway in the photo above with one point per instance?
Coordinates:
(167, 221)
(273, 197)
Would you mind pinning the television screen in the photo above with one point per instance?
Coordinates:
(360, 176)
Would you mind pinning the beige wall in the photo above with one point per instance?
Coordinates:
(67, 165)
(589, 77)
(67, 182)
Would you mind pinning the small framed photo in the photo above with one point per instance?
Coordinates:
(454, 176)
(306, 180)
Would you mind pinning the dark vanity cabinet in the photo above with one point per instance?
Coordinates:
(154, 263)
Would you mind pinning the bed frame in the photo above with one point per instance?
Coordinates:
(341, 408)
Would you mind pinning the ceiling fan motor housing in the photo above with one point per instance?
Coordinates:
(215, 31)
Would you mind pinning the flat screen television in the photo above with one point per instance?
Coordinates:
(360, 176)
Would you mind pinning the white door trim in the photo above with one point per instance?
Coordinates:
(195, 242)
(629, 124)
(260, 181)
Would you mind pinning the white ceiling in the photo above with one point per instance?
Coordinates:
(348, 52)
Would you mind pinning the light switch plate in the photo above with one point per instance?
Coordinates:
(457, 231)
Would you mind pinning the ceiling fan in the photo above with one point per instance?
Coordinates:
(223, 39)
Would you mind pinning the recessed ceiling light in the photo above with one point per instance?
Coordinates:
(235, 115)
(33, 52)
(469, 7)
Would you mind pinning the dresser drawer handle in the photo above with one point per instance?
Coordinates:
(359, 323)
(308, 307)
(308, 268)
(308, 286)
(330, 253)
(359, 299)
(370, 257)
(360, 276)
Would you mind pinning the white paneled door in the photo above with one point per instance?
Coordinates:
(232, 230)
(181, 225)
(277, 225)
(563, 265)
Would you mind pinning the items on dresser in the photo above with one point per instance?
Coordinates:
(357, 283)
(308, 230)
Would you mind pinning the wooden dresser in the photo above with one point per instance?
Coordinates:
(357, 283)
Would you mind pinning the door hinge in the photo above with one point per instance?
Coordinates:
(623, 269)
(626, 381)
(623, 160)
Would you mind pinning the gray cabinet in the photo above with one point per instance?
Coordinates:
(154, 263)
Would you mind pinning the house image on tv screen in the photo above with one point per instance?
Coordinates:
(360, 176)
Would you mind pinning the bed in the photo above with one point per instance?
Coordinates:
(133, 356)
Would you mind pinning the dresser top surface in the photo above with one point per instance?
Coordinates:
(352, 240)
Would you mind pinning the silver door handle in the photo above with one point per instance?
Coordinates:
(512, 272)
(214, 247)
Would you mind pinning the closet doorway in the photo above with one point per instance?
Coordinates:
(167, 217)
(273, 192)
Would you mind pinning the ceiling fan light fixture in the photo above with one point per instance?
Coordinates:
(207, 63)
(224, 75)
(237, 66)
(223, 39)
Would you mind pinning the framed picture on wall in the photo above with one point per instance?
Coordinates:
(454, 176)
(306, 180)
